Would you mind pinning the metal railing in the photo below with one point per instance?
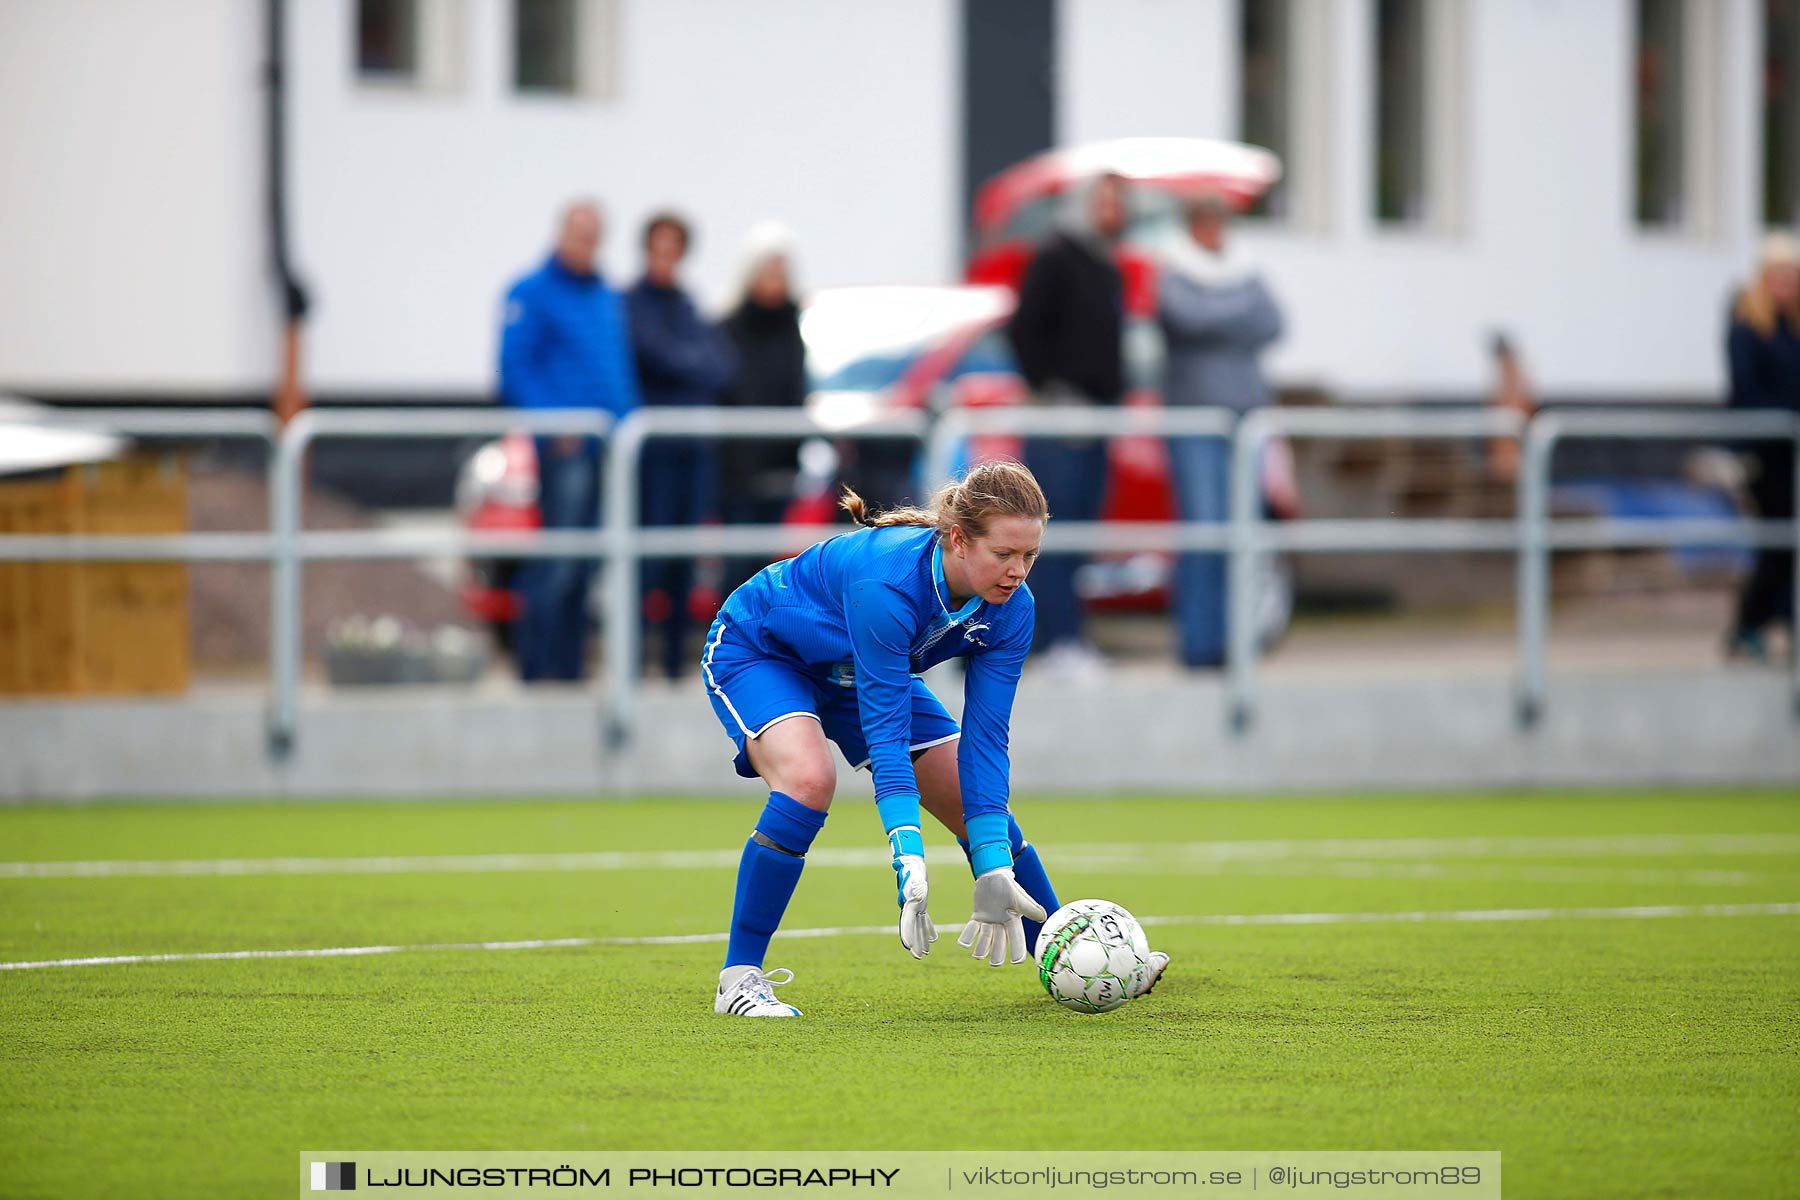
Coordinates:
(622, 544)
(293, 548)
(1539, 535)
(628, 543)
(166, 424)
(956, 426)
(1252, 537)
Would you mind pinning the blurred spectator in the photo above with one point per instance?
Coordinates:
(1763, 346)
(564, 346)
(1067, 335)
(681, 360)
(764, 327)
(1512, 389)
(1217, 317)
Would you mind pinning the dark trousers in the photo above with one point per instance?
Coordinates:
(747, 510)
(551, 634)
(1768, 594)
(679, 487)
(1072, 473)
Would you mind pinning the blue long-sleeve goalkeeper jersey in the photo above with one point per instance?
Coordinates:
(874, 602)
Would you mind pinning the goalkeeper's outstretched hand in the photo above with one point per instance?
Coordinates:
(996, 929)
(916, 930)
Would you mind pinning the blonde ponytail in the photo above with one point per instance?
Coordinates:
(996, 489)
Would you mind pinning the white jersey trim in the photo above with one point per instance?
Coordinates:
(784, 716)
(713, 683)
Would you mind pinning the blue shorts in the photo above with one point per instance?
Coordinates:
(751, 691)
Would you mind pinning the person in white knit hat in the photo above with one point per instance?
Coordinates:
(757, 478)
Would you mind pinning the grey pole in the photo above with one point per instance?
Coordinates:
(951, 430)
(620, 514)
(1532, 576)
(1240, 574)
(284, 585)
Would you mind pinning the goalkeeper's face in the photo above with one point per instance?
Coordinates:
(993, 567)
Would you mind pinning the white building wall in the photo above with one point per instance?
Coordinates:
(1145, 67)
(1544, 246)
(132, 235)
(132, 239)
(413, 210)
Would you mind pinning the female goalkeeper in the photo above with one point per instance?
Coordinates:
(839, 636)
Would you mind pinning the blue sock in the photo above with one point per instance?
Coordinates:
(767, 875)
(1028, 869)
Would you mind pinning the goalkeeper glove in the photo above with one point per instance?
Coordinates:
(996, 929)
(916, 930)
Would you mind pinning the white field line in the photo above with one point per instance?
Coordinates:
(1455, 872)
(1096, 855)
(1578, 846)
(1636, 912)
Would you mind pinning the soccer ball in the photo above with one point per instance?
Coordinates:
(1092, 956)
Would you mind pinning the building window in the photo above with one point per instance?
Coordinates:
(1285, 52)
(564, 47)
(387, 39)
(1418, 118)
(1678, 109)
(1400, 98)
(1266, 80)
(1661, 96)
(409, 45)
(1781, 112)
(544, 40)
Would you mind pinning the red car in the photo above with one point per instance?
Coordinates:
(1017, 207)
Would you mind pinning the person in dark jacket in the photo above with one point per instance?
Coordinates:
(564, 345)
(1762, 344)
(1067, 335)
(682, 359)
(1217, 317)
(758, 476)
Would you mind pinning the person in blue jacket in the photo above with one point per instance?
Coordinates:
(829, 647)
(564, 345)
(682, 360)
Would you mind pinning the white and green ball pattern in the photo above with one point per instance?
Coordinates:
(1092, 956)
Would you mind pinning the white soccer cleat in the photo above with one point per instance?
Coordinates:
(749, 992)
(1159, 962)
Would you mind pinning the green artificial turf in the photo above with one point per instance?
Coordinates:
(1603, 1056)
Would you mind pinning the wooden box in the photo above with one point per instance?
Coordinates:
(113, 628)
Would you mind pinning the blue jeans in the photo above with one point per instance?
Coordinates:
(1201, 467)
(551, 634)
(1072, 473)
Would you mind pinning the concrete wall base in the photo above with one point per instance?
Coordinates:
(1144, 736)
